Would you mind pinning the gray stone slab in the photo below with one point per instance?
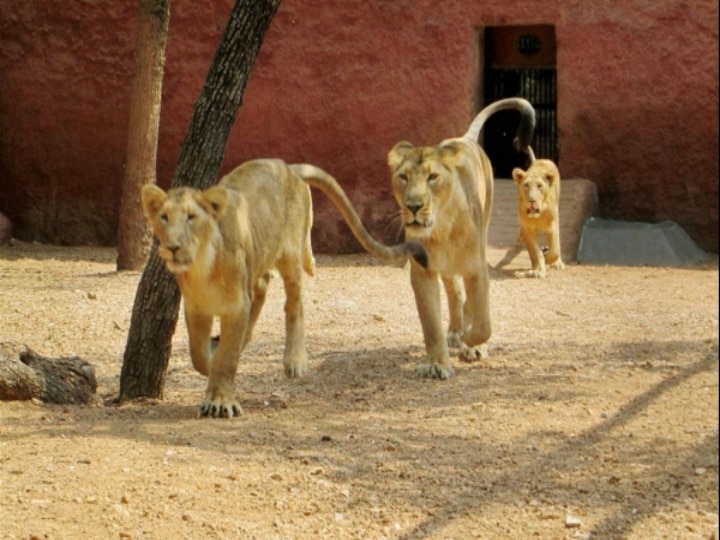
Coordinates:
(632, 243)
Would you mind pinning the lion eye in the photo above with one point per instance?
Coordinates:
(164, 217)
(191, 217)
(404, 177)
(432, 177)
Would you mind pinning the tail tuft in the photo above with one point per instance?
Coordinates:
(417, 252)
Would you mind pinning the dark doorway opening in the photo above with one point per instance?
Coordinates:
(520, 62)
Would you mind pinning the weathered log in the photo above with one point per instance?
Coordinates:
(24, 374)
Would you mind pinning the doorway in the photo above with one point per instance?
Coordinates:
(520, 62)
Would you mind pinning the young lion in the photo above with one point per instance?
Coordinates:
(538, 198)
(445, 195)
(221, 244)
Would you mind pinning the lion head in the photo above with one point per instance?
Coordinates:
(423, 182)
(184, 220)
(535, 187)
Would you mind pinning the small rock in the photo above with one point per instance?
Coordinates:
(700, 471)
(572, 522)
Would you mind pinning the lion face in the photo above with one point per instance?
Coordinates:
(422, 185)
(184, 221)
(534, 185)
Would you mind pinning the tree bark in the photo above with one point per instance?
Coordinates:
(24, 374)
(157, 301)
(134, 233)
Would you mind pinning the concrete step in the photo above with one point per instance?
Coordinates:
(578, 201)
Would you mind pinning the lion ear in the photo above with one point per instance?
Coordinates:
(449, 150)
(214, 201)
(398, 153)
(518, 175)
(152, 199)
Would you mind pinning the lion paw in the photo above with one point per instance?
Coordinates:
(558, 265)
(534, 274)
(473, 354)
(454, 339)
(296, 368)
(220, 407)
(436, 371)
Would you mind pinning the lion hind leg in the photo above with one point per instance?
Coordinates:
(259, 294)
(295, 360)
(553, 255)
(455, 297)
(308, 258)
(474, 345)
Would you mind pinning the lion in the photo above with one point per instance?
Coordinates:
(445, 194)
(222, 244)
(538, 199)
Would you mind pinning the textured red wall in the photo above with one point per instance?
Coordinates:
(339, 82)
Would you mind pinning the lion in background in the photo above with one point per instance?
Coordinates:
(445, 195)
(222, 243)
(538, 210)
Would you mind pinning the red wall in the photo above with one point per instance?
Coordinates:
(339, 82)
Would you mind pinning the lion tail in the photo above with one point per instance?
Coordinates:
(525, 129)
(317, 178)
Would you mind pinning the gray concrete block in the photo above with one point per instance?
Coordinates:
(628, 243)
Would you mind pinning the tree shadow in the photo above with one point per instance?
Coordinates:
(347, 389)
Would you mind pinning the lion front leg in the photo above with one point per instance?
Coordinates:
(537, 258)
(220, 393)
(426, 287)
(475, 339)
(199, 326)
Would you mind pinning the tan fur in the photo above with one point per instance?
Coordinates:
(222, 243)
(445, 195)
(538, 200)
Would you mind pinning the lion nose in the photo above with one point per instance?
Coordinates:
(414, 207)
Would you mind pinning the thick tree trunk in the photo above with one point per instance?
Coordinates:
(134, 233)
(24, 374)
(157, 300)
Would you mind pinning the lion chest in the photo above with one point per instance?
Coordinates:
(456, 254)
(218, 291)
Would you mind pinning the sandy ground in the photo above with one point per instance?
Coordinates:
(596, 415)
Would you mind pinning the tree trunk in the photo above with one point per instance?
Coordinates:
(157, 301)
(24, 374)
(134, 233)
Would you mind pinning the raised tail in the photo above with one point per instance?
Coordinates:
(317, 178)
(525, 129)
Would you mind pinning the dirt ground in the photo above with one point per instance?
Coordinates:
(596, 415)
